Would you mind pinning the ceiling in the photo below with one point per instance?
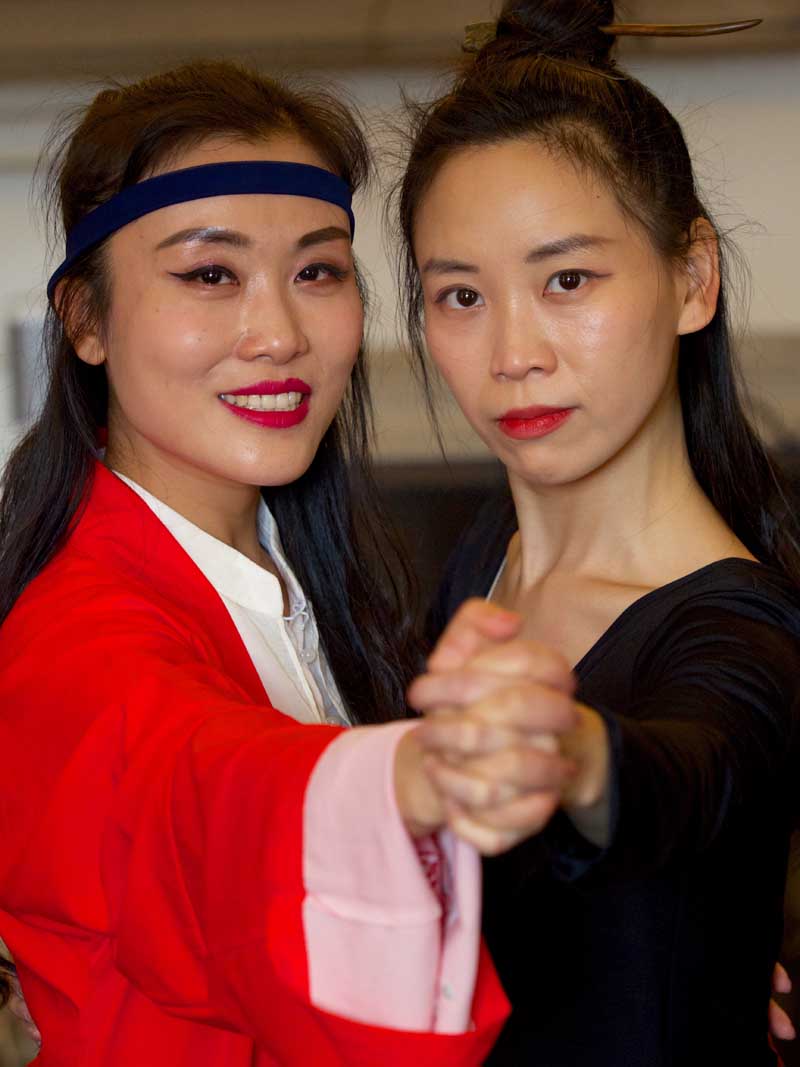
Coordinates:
(75, 39)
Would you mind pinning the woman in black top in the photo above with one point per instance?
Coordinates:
(573, 293)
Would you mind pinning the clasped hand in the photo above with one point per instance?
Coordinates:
(497, 711)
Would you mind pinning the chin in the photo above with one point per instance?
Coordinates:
(274, 475)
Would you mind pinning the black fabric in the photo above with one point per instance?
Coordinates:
(658, 951)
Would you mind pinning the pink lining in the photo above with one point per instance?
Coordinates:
(379, 950)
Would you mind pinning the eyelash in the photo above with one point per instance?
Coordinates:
(198, 272)
(335, 272)
(584, 274)
(440, 299)
(587, 275)
(196, 275)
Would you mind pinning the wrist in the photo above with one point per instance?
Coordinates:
(418, 800)
(588, 746)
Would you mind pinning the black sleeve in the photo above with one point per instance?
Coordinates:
(709, 743)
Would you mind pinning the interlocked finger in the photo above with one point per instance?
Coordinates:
(528, 709)
(497, 831)
(525, 815)
(456, 734)
(474, 626)
(526, 660)
(491, 780)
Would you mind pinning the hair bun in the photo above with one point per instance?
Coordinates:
(566, 28)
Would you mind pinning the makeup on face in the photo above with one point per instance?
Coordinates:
(526, 424)
(274, 404)
(231, 343)
(549, 314)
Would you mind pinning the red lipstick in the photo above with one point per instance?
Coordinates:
(271, 388)
(272, 417)
(524, 424)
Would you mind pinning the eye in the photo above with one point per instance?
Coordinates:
(317, 272)
(210, 276)
(567, 281)
(462, 298)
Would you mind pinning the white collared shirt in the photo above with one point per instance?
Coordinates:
(285, 650)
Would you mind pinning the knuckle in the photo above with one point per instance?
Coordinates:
(471, 734)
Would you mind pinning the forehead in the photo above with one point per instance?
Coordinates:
(518, 185)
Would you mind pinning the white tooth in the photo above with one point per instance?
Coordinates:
(288, 401)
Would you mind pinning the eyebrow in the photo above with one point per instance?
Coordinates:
(326, 233)
(206, 235)
(575, 242)
(234, 239)
(448, 266)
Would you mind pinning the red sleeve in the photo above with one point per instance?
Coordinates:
(189, 798)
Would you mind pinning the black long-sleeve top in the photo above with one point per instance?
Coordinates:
(659, 950)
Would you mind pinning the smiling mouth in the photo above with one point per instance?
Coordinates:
(289, 401)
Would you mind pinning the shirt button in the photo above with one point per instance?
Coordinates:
(333, 720)
(308, 655)
(447, 991)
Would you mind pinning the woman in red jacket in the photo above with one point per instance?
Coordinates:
(199, 864)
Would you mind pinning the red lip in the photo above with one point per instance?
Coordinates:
(523, 424)
(276, 420)
(291, 385)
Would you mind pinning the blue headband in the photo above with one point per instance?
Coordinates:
(197, 183)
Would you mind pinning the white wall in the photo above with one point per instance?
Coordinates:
(742, 118)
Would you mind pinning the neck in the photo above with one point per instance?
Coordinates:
(640, 518)
(226, 510)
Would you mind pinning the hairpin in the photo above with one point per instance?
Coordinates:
(698, 29)
(478, 34)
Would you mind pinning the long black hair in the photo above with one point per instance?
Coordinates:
(7, 972)
(339, 544)
(548, 74)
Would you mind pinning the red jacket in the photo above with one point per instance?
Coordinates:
(151, 877)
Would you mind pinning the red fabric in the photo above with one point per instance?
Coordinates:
(151, 819)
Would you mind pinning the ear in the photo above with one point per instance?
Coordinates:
(702, 274)
(90, 349)
(71, 308)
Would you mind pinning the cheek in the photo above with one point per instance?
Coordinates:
(340, 334)
(164, 345)
(450, 350)
(461, 352)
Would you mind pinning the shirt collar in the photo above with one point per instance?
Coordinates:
(232, 574)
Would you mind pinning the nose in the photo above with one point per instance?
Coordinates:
(270, 327)
(520, 345)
